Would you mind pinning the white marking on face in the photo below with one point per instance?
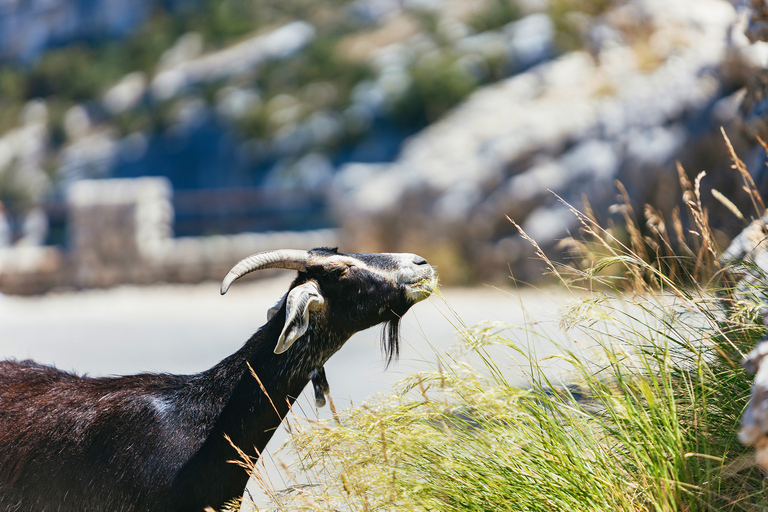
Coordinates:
(406, 271)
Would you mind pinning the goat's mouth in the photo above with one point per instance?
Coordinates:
(420, 289)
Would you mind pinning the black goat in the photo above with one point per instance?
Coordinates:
(156, 442)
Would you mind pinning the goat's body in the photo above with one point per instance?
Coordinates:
(161, 443)
(65, 412)
(48, 416)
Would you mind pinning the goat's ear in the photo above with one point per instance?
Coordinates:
(298, 302)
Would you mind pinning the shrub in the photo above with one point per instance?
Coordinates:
(437, 85)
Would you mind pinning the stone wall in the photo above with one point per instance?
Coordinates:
(121, 231)
(31, 270)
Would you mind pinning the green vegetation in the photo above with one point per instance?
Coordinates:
(291, 105)
(221, 21)
(82, 72)
(318, 66)
(436, 86)
(497, 14)
(75, 73)
(650, 426)
(570, 17)
(647, 422)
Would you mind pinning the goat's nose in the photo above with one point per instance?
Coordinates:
(418, 260)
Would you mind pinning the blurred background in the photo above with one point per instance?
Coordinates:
(162, 140)
(157, 142)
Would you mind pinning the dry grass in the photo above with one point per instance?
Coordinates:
(645, 420)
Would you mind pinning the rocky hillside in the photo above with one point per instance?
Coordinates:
(652, 88)
(423, 123)
(237, 93)
(28, 28)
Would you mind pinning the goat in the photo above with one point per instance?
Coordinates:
(156, 442)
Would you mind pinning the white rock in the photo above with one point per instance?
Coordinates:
(532, 40)
(374, 11)
(126, 94)
(76, 122)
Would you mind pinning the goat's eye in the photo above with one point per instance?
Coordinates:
(344, 271)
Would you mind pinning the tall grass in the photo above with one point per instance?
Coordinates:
(641, 415)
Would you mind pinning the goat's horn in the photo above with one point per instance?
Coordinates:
(291, 259)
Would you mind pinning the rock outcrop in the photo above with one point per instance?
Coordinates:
(750, 246)
(655, 88)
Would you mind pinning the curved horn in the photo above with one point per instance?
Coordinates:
(291, 259)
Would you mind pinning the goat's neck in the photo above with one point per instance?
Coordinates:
(238, 383)
(228, 399)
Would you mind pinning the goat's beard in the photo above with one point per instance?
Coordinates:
(390, 340)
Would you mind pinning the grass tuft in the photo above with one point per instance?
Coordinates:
(644, 418)
(638, 411)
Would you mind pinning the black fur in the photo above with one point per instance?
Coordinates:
(390, 340)
(156, 442)
(320, 386)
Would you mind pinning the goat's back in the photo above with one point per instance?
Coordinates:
(67, 440)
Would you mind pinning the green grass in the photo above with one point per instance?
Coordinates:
(638, 412)
(648, 422)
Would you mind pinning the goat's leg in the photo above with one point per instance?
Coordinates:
(320, 384)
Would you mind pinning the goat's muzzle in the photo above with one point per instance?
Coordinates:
(418, 277)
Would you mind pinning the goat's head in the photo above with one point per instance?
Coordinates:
(353, 291)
